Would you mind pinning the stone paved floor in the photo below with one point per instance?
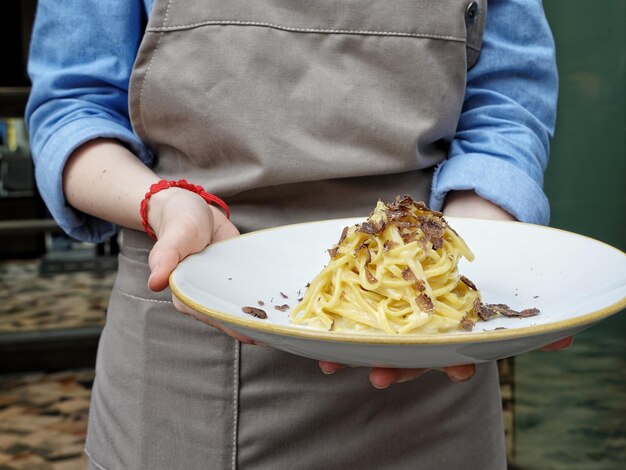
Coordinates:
(29, 302)
(43, 420)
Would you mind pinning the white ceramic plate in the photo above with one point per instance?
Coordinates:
(575, 281)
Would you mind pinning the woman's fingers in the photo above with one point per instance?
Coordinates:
(560, 344)
(222, 227)
(187, 233)
(461, 373)
(163, 259)
(382, 377)
(174, 244)
(330, 367)
(185, 224)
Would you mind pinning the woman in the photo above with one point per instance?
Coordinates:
(290, 111)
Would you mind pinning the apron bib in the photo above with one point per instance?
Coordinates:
(291, 111)
(302, 110)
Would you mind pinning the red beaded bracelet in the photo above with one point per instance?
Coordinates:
(164, 184)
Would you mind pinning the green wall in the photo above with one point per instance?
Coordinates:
(586, 177)
(571, 405)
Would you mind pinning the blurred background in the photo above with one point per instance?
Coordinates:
(570, 406)
(563, 410)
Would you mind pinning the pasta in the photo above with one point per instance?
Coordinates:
(396, 273)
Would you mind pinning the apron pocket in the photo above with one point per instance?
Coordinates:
(159, 369)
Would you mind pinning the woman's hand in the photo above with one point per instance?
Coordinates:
(382, 377)
(184, 224)
(104, 179)
(469, 204)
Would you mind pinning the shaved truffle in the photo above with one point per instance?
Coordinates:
(344, 233)
(487, 311)
(370, 277)
(529, 312)
(433, 230)
(468, 283)
(484, 312)
(408, 275)
(371, 227)
(363, 246)
(388, 245)
(506, 311)
(425, 303)
(255, 312)
(466, 324)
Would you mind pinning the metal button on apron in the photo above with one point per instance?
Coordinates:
(470, 13)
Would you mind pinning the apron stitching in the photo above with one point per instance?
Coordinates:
(235, 403)
(92, 459)
(145, 78)
(303, 30)
(167, 12)
(142, 250)
(145, 299)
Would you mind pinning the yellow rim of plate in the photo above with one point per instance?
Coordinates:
(408, 339)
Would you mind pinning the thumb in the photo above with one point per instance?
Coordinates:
(162, 261)
(222, 228)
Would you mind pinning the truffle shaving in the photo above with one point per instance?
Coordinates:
(370, 277)
(466, 324)
(344, 233)
(507, 311)
(425, 303)
(372, 228)
(487, 311)
(483, 311)
(408, 275)
(468, 283)
(433, 231)
(363, 246)
(388, 245)
(255, 312)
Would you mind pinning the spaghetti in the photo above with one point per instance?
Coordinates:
(396, 273)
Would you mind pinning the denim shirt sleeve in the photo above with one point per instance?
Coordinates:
(502, 141)
(81, 58)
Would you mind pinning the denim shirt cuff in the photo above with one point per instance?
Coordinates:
(49, 173)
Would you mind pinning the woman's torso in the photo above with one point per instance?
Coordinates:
(290, 110)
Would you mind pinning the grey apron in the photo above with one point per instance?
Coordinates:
(291, 111)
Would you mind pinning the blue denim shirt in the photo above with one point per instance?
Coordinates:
(82, 55)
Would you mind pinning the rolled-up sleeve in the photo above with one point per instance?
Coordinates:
(501, 146)
(81, 58)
